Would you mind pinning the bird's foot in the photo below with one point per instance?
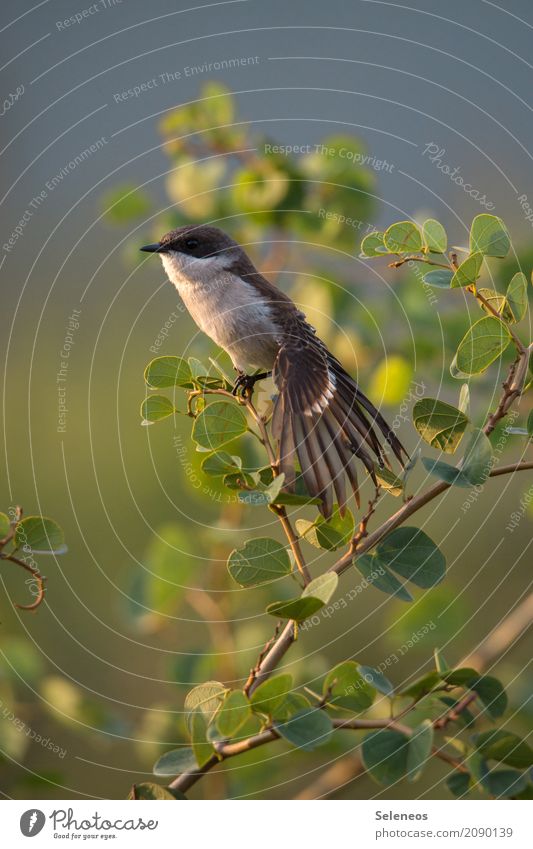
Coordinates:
(244, 385)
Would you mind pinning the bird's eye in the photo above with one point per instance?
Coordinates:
(190, 244)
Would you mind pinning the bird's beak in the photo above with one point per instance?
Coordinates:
(154, 248)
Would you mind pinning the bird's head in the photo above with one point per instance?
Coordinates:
(197, 253)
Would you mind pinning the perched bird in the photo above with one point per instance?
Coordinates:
(321, 417)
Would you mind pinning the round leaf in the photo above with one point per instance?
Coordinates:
(441, 278)
(156, 407)
(233, 714)
(468, 272)
(316, 594)
(411, 553)
(330, 534)
(403, 237)
(258, 561)
(152, 792)
(373, 245)
(419, 751)
(491, 693)
(488, 234)
(517, 296)
(271, 694)
(477, 461)
(345, 687)
(506, 782)
(503, 746)
(377, 574)
(167, 371)
(306, 729)
(42, 535)
(176, 762)
(217, 424)
(205, 698)
(484, 342)
(439, 424)
(384, 755)
(434, 236)
(221, 464)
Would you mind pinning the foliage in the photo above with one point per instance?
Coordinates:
(400, 736)
(21, 538)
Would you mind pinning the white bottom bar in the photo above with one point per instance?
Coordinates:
(264, 825)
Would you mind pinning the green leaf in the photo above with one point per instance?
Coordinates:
(156, 407)
(411, 553)
(306, 729)
(503, 746)
(258, 561)
(328, 534)
(384, 755)
(239, 480)
(403, 237)
(488, 234)
(388, 480)
(5, 525)
(439, 424)
(373, 245)
(423, 685)
(41, 535)
(497, 301)
(419, 750)
(483, 343)
(491, 693)
(376, 679)
(316, 594)
(458, 783)
(152, 792)
(235, 711)
(377, 574)
(202, 748)
(295, 499)
(477, 460)
(445, 472)
(271, 694)
(205, 698)
(268, 495)
(202, 376)
(468, 272)
(459, 677)
(218, 423)
(517, 296)
(506, 782)
(221, 464)
(434, 236)
(176, 762)
(167, 371)
(440, 278)
(344, 686)
(293, 703)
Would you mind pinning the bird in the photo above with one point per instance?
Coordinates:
(321, 421)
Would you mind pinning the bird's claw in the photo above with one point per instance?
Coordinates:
(244, 385)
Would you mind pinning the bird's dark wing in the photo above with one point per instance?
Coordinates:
(322, 419)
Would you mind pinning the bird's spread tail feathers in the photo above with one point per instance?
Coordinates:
(323, 421)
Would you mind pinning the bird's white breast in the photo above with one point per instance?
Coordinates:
(227, 308)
